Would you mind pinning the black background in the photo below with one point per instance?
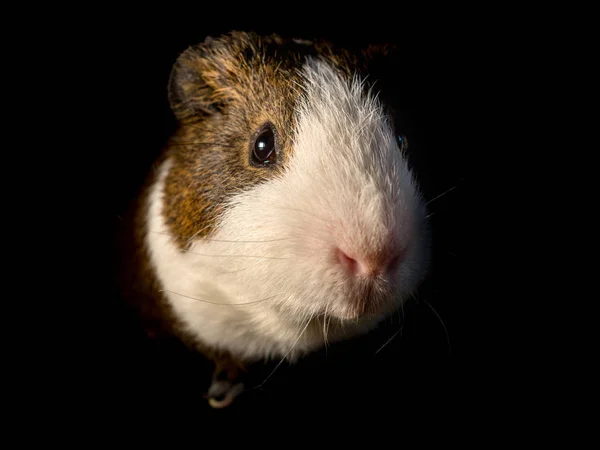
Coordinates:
(451, 89)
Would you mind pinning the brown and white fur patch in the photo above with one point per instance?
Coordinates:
(247, 258)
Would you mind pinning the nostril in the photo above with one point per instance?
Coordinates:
(348, 263)
(373, 265)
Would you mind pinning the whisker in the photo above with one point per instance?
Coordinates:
(441, 195)
(414, 298)
(246, 242)
(198, 144)
(161, 232)
(325, 327)
(224, 240)
(401, 311)
(189, 241)
(287, 353)
(401, 320)
(216, 303)
(442, 322)
(232, 271)
(237, 256)
(389, 340)
(303, 212)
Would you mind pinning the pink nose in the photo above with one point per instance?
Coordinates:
(373, 265)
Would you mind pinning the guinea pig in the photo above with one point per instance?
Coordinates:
(284, 200)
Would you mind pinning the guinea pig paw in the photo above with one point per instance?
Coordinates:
(222, 393)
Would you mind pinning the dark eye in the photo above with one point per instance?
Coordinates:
(402, 142)
(263, 148)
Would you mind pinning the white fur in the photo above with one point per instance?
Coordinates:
(345, 185)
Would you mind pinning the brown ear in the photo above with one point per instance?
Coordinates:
(384, 50)
(195, 85)
(380, 58)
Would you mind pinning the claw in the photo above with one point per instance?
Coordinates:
(222, 393)
(225, 386)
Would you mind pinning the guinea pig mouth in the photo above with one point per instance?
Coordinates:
(368, 298)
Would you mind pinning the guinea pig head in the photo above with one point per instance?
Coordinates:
(288, 163)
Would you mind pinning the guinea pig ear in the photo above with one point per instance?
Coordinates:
(383, 63)
(379, 58)
(194, 89)
(380, 50)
